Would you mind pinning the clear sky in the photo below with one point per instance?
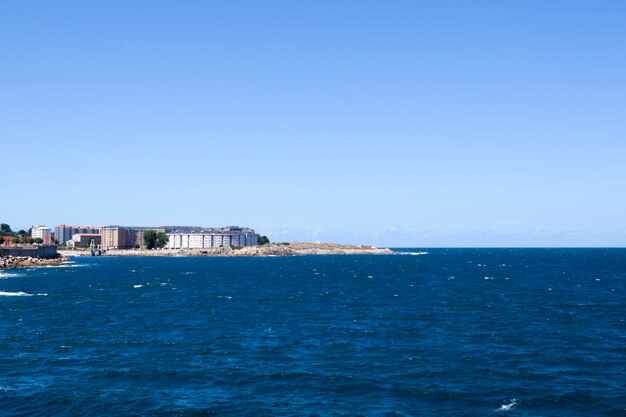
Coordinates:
(402, 123)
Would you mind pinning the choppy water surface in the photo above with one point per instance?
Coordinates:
(452, 332)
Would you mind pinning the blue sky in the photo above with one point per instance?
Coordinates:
(402, 123)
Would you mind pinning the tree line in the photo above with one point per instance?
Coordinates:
(21, 236)
(153, 239)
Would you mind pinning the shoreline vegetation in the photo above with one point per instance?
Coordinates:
(275, 249)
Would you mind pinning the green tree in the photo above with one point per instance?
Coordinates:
(161, 239)
(5, 228)
(38, 240)
(149, 239)
(153, 239)
(263, 240)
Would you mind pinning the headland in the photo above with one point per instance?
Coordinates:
(274, 249)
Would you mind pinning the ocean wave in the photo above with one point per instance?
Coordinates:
(346, 354)
(5, 275)
(509, 406)
(14, 294)
(70, 264)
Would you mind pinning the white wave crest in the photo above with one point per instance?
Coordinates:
(15, 294)
(69, 265)
(508, 407)
(137, 285)
(5, 275)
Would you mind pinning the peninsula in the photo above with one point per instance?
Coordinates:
(39, 246)
(274, 249)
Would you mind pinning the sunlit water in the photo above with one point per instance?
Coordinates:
(451, 332)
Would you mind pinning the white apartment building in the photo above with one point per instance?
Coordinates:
(42, 232)
(212, 238)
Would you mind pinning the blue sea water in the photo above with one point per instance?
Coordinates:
(452, 332)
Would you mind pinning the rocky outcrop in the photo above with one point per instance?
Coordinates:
(310, 249)
(29, 262)
(245, 251)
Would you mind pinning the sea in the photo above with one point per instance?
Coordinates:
(430, 332)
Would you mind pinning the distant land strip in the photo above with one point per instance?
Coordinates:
(275, 249)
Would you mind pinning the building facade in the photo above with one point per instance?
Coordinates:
(42, 232)
(121, 237)
(212, 238)
(63, 232)
(83, 240)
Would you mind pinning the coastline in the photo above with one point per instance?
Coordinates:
(291, 249)
(10, 262)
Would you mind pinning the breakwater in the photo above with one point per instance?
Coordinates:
(42, 252)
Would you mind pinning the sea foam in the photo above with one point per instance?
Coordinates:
(508, 407)
(5, 275)
(15, 294)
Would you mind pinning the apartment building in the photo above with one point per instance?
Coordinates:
(122, 237)
(63, 232)
(42, 232)
(212, 238)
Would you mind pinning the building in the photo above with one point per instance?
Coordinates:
(83, 240)
(121, 237)
(63, 232)
(212, 238)
(111, 238)
(42, 232)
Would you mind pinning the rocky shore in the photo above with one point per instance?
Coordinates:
(291, 249)
(29, 262)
